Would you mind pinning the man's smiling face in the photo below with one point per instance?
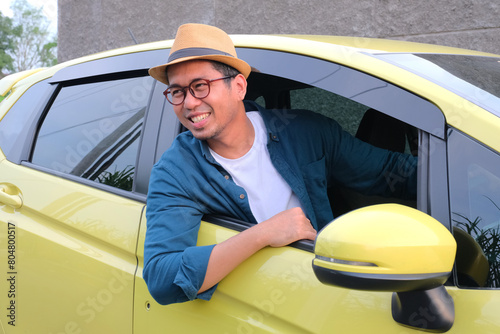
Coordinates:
(211, 117)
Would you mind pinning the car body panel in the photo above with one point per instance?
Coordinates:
(281, 294)
(75, 254)
(474, 311)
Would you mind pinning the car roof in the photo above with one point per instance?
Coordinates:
(290, 43)
(377, 45)
(353, 52)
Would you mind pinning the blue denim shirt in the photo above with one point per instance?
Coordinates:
(310, 151)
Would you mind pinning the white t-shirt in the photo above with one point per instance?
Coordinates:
(268, 193)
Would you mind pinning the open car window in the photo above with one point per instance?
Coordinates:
(361, 121)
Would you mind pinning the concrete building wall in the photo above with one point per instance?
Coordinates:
(96, 25)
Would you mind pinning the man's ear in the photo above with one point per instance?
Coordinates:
(240, 86)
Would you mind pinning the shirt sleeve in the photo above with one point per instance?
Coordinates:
(372, 170)
(174, 267)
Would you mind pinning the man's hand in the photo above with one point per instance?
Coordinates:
(286, 227)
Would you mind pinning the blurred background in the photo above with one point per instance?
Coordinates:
(42, 32)
(28, 34)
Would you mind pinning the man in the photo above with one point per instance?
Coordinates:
(233, 161)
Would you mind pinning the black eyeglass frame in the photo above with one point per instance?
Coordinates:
(167, 92)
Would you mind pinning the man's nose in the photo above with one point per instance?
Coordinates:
(190, 101)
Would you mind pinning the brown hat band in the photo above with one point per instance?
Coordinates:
(196, 52)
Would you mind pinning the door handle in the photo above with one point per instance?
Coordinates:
(10, 195)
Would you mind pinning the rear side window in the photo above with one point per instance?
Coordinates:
(475, 205)
(92, 131)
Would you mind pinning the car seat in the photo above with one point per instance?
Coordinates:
(383, 131)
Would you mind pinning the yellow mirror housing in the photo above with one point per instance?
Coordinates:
(387, 247)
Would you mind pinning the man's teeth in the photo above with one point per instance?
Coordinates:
(199, 118)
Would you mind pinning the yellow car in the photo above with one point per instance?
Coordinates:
(78, 142)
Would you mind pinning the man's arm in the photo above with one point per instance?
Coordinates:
(175, 269)
(280, 230)
(371, 170)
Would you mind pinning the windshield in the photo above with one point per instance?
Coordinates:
(474, 78)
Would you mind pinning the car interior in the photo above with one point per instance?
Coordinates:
(366, 124)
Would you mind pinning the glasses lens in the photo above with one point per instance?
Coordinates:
(175, 95)
(200, 88)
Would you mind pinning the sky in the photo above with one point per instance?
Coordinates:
(49, 9)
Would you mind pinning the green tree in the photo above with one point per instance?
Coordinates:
(6, 44)
(34, 45)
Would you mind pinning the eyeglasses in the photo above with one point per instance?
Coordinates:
(199, 88)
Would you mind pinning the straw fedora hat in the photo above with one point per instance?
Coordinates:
(199, 41)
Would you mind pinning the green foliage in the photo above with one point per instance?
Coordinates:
(119, 179)
(489, 241)
(6, 43)
(47, 56)
(31, 44)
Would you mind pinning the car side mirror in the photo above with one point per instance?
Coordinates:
(391, 247)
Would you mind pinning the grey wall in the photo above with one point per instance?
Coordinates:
(96, 25)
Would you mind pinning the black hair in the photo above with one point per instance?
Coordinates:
(225, 70)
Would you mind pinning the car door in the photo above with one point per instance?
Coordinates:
(71, 205)
(276, 290)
